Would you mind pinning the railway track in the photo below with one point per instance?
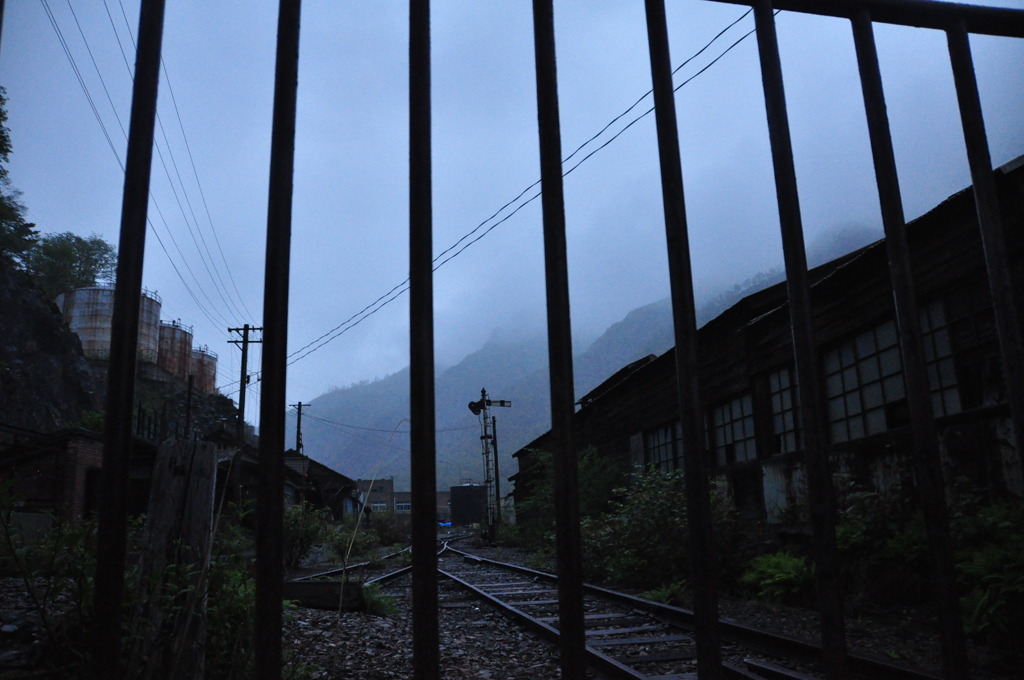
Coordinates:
(629, 637)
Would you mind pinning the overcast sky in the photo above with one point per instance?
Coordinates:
(350, 225)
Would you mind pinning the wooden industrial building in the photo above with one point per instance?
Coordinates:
(747, 381)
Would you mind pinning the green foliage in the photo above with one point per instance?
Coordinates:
(387, 529)
(56, 566)
(675, 593)
(304, 528)
(378, 603)
(990, 567)
(881, 541)
(599, 476)
(61, 262)
(5, 135)
(780, 577)
(92, 420)
(231, 603)
(352, 544)
(16, 235)
(642, 540)
(994, 602)
(882, 549)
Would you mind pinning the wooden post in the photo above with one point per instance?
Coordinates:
(174, 565)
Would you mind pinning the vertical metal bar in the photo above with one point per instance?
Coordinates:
(566, 486)
(117, 436)
(426, 663)
(928, 466)
(270, 504)
(993, 240)
(821, 494)
(702, 548)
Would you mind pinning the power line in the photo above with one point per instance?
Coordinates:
(396, 291)
(207, 259)
(99, 119)
(321, 419)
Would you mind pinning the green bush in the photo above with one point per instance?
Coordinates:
(882, 549)
(990, 569)
(780, 577)
(352, 545)
(599, 478)
(377, 603)
(231, 604)
(304, 528)
(674, 593)
(642, 540)
(387, 529)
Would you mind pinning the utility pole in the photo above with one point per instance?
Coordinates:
(298, 428)
(244, 380)
(489, 442)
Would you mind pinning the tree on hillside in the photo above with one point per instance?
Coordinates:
(61, 262)
(16, 235)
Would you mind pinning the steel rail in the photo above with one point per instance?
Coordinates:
(755, 638)
(601, 661)
(361, 565)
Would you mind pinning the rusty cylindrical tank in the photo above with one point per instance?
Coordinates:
(89, 312)
(175, 349)
(204, 368)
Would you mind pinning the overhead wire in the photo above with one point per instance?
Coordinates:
(117, 117)
(321, 419)
(440, 260)
(99, 119)
(81, 80)
(398, 290)
(103, 128)
(204, 250)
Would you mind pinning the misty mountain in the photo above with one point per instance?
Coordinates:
(362, 430)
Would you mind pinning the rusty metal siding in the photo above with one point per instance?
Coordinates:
(149, 327)
(175, 355)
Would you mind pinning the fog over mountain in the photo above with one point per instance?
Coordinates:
(362, 430)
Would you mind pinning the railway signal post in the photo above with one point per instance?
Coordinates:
(489, 442)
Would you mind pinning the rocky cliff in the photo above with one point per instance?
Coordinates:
(45, 382)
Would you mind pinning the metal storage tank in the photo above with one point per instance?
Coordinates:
(175, 349)
(204, 368)
(89, 311)
(469, 504)
(149, 327)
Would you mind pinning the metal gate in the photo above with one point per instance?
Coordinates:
(957, 21)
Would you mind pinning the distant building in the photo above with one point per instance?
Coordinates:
(378, 494)
(323, 487)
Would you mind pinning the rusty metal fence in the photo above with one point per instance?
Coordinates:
(957, 21)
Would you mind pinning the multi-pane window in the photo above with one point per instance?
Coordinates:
(663, 448)
(785, 435)
(379, 507)
(403, 508)
(732, 431)
(864, 384)
(938, 354)
(864, 377)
